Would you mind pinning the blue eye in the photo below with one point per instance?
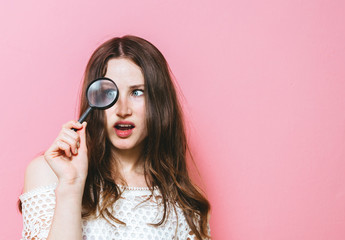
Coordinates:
(110, 93)
(138, 92)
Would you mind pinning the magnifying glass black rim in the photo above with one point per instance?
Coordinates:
(112, 103)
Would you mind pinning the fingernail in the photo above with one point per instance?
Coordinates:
(78, 144)
(76, 151)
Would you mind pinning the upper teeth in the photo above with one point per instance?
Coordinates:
(124, 125)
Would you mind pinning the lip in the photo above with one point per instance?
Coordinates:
(124, 133)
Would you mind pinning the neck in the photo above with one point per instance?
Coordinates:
(128, 160)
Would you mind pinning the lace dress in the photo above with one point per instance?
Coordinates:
(38, 210)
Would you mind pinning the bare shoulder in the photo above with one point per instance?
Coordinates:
(38, 173)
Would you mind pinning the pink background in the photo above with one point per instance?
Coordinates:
(264, 88)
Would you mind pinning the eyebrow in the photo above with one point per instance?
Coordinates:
(136, 86)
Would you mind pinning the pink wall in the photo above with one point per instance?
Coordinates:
(264, 87)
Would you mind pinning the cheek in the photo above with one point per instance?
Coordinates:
(141, 110)
(141, 113)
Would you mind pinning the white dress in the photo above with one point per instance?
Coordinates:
(38, 210)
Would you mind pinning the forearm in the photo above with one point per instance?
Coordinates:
(66, 222)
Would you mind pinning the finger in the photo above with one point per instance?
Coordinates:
(70, 133)
(72, 138)
(64, 147)
(82, 136)
(71, 142)
(72, 124)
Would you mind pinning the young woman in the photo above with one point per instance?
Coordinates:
(122, 174)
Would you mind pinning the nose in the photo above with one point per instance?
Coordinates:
(122, 107)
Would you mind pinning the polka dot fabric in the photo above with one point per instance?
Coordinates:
(135, 208)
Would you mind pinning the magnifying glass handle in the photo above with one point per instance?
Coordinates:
(82, 118)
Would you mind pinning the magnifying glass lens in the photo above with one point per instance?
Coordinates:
(102, 93)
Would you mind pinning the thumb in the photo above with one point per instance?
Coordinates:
(82, 135)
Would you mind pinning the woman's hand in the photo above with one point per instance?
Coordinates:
(67, 156)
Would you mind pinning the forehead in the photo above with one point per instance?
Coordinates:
(124, 72)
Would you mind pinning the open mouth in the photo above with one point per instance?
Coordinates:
(124, 127)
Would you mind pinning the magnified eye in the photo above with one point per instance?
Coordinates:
(110, 93)
(138, 92)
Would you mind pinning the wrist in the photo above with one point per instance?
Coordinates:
(72, 181)
(70, 189)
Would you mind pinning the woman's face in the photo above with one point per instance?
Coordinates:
(126, 125)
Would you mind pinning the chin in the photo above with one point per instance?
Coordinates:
(123, 145)
(127, 143)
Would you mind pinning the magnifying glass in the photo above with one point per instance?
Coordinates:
(101, 93)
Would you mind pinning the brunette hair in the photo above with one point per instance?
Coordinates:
(165, 150)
